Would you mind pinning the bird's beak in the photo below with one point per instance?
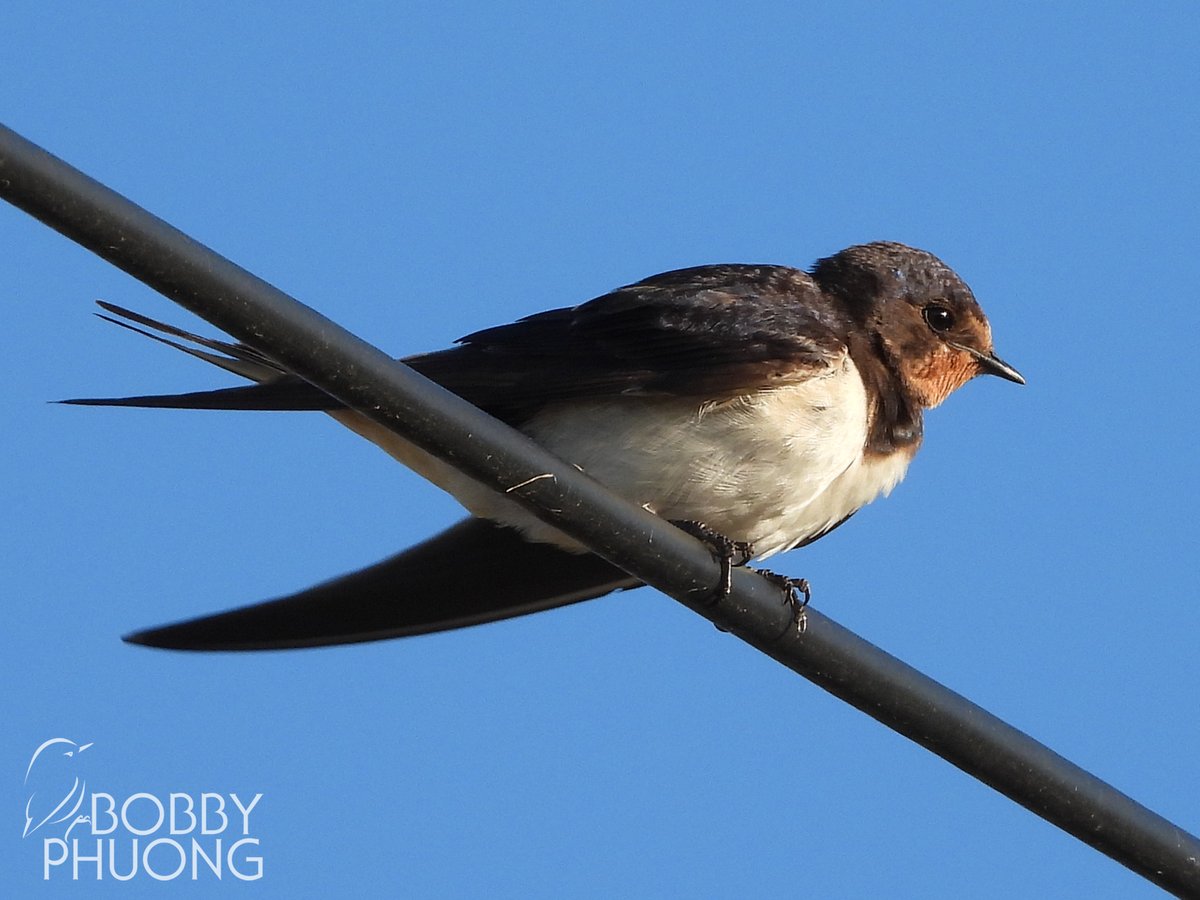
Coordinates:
(991, 364)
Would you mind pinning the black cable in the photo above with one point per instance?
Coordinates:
(650, 549)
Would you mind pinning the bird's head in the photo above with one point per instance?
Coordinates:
(924, 318)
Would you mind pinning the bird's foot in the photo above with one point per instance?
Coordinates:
(729, 553)
(797, 593)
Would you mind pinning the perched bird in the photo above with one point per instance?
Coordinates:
(766, 402)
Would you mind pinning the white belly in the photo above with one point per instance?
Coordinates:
(772, 469)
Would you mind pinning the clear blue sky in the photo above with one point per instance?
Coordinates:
(419, 173)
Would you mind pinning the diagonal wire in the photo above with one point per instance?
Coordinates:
(389, 392)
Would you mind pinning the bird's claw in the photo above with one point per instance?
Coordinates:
(797, 593)
(729, 553)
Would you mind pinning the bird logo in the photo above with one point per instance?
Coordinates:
(51, 801)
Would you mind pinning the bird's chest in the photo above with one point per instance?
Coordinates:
(774, 467)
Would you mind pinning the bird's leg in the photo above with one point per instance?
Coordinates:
(797, 593)
(729, 552)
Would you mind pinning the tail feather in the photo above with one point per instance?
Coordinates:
(288, 394)
(238, 358)
(276, 389)
(472, 573)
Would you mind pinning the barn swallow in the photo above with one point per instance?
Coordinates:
(766, 402)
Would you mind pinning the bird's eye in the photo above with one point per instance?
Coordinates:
(939, 318)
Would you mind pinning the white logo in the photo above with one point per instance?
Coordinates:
(161, 835)
(52, 799)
